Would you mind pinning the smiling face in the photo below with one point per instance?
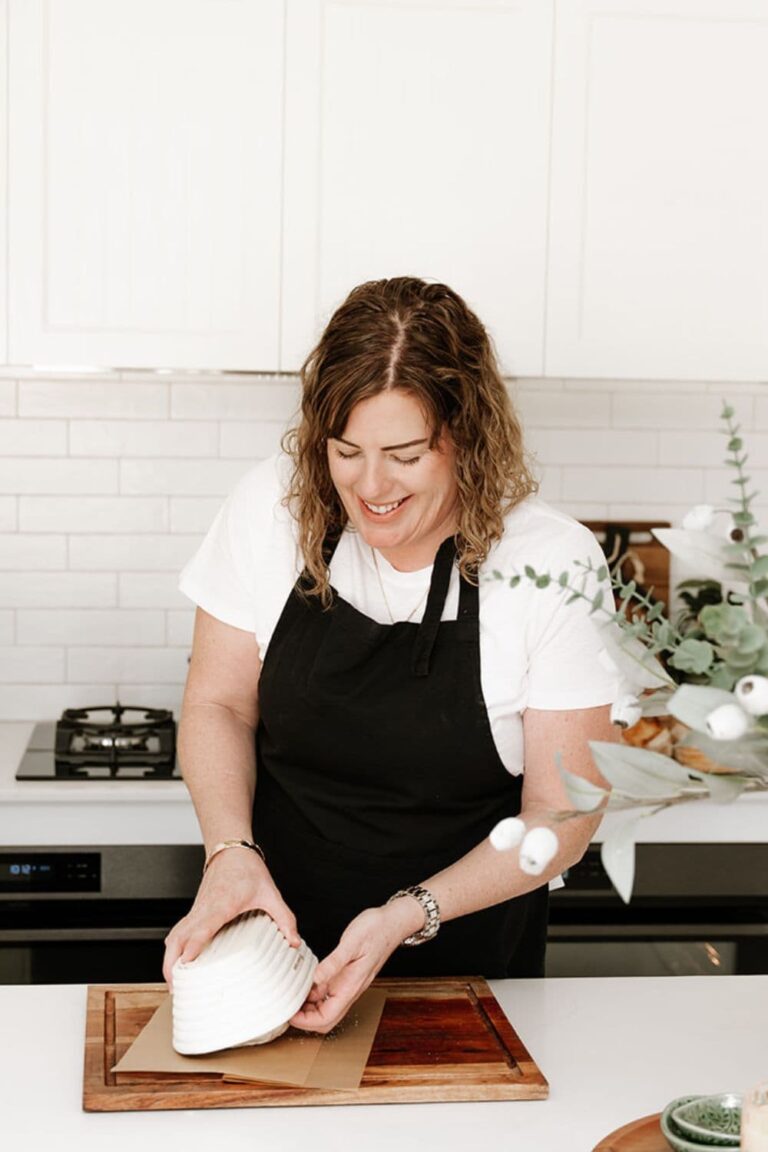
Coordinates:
(399, 493)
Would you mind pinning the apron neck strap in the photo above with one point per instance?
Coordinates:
(438, 590)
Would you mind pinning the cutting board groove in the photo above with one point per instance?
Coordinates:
(438, 1040)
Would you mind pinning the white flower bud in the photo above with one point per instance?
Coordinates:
(699, 518)
(539, 846)
(626, 711)
(507, 834)
(752, 694)
(728, 722)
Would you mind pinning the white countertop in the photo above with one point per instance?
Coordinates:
(613, 1050)
(160, 812)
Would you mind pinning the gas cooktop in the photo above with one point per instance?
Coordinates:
(105, 743)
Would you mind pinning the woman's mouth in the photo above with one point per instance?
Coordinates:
(382, 511)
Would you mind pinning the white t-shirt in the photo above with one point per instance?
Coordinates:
(536, 651)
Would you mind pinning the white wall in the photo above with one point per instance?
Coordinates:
(107, 484)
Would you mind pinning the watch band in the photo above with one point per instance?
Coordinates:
(431, 913)
(224, 844)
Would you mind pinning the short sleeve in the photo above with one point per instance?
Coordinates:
(567, 660)
(243, 563)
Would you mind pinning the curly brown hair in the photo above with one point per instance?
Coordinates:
(405, 333)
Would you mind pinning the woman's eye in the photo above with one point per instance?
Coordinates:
(410, 460)
(346, 455)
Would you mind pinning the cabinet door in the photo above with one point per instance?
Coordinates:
(658, 256)
(145, 169)
(417, 144)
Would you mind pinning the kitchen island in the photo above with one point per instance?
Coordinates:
(612, 1050)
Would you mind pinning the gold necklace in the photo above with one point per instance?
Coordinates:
(413, 612)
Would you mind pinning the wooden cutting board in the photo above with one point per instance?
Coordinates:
(642, 1135)
(437, 1040)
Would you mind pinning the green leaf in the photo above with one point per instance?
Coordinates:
(597, 601)
(735, 444)
(563, 579)
(617, 854)
(602, 572)
(514, 581)
(543, 581)
(722, 788)
(727, 412)
(637, 772)
(497, 575)
(583, 794)
(695, 656)
(691, 704)
(530, 572)
(759, 568)
(748, 755)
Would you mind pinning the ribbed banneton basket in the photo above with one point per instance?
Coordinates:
(664, 734)
(242, 989)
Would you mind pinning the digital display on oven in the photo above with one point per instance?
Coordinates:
(50, 872)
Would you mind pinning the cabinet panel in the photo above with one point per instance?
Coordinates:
(658, 255)
(145, 182)
(417, 143)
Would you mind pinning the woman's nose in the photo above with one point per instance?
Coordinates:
(374, 480)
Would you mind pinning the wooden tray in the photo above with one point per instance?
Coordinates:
(642, 1135)
(437, 1040)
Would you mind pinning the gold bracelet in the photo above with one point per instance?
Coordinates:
(231, 844)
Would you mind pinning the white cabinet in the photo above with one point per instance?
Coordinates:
(658, 242)
(145, 182)
(417, 144)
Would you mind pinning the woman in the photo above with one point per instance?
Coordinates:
(394, 691)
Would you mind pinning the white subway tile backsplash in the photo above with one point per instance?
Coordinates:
(7, 397)
(181, 625)
(276, 400)
(9, 516)
(141, 438)
(32, 665)
(249, 440)
(150, 590)
(93, 514)
(161, 695)
(721, 490)
(562, 410)
(57, 590)
(33, 437)
(665, 410)
(47, 702)
(131, 553)
(193, 514)
(57, 477)
(580, 446)
(127, 665)
(23, 551)
(630, 484)
(89, 399)
(180, 477)
(107, 484)
(7, 626)
(91, 626)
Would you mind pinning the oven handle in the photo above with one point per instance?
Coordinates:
(76, 935)
(663, 931)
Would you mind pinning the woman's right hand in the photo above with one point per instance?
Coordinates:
(236, 881)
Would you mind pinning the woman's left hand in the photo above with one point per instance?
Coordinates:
(345, 973)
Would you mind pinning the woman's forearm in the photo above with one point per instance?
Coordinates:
(218, 763)
(485, 876)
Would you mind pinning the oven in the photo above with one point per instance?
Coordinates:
(697, 910)
(75, 915)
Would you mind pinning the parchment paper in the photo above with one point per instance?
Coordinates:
(299, 1058)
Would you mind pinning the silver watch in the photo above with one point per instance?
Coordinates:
(431, 913)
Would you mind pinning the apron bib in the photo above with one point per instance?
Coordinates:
(376, 767)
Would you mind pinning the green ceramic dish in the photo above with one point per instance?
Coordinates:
(674, 1135)
(713, 1120)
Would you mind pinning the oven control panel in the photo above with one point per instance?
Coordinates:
(50, 872)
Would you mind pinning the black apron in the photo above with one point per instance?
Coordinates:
(376, 768)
